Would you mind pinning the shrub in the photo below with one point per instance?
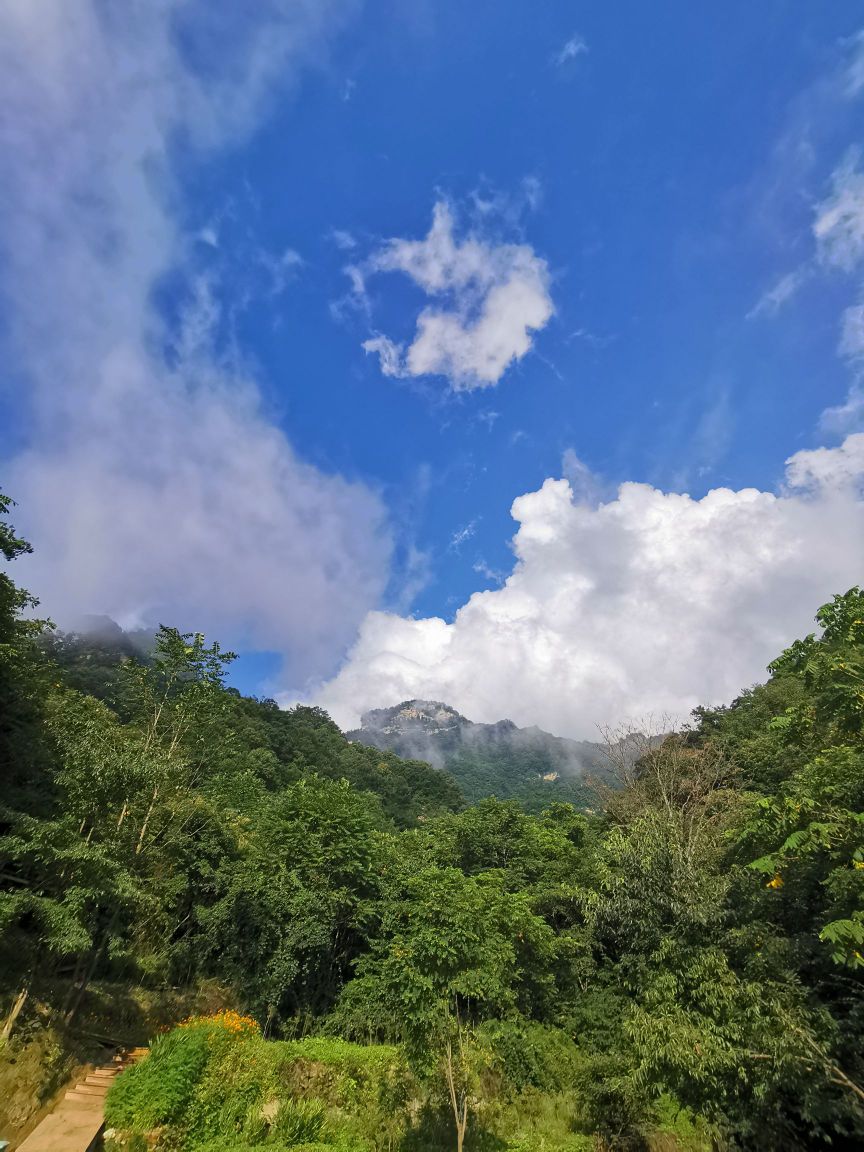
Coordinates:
(299, 1121)
(530, 1055)
(159, 1090)
(214, 1082)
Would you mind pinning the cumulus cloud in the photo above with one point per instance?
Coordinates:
(650, 602)
(151, 481)
(493, 298)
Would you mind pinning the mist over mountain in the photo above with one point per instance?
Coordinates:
(498, 759)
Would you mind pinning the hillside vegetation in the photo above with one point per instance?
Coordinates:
(524, 764)
(681, 969)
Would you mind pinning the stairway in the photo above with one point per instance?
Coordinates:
(77, 1122)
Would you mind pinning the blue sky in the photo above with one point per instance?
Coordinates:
(641, 180)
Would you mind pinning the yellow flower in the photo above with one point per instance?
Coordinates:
(777, 882)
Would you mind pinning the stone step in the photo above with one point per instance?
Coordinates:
(106, 1073)
(69, 1128)
(76, 1096)
(86, 1089)
(99, 1081)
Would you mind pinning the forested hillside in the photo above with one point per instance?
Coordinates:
(394, 970)
(524, 764)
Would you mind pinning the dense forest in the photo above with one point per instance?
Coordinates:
(353, 958)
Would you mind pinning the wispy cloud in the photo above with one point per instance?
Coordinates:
(574, 47)
(281, 269)
(488, 573)
(787, 287)
(493, 296)
(592, 339)
(586, 486)
(853, 76)
(839, 223)
(839, 233)
(488, 417)
(342, 239)
(463, 534)
(852, 338)
(836, 228)
(849, 415)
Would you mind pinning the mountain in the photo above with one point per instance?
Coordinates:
(526, 764)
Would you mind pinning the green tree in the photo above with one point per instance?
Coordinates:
(293, 906)
(452, 951)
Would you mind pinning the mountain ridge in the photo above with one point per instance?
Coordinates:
(500, 758)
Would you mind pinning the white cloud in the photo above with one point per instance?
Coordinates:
(831, 471)
(853, 77)
(463, 534)
(772, 300)
(494, 297)
(852, 338)
(532, 189)
(575, 46)
(389, 354)
(343, 239)
(839, 233)
(849, 415)
(281, 269)
(153, 485)
(651, 602)
(838, 229)
(488, 572)
(839, 224)
(585, 486)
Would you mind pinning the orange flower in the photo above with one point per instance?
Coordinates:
(228, 1019)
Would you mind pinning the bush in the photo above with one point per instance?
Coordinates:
(530, 1055)
(159, 1090)
(214, 1082)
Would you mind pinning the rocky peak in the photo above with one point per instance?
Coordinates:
(429, 716)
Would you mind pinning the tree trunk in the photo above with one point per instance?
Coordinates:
(76, 976)
(88, 975)
(460, 1135)
(143, 831)
(14, 1013)
(458, 1100)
